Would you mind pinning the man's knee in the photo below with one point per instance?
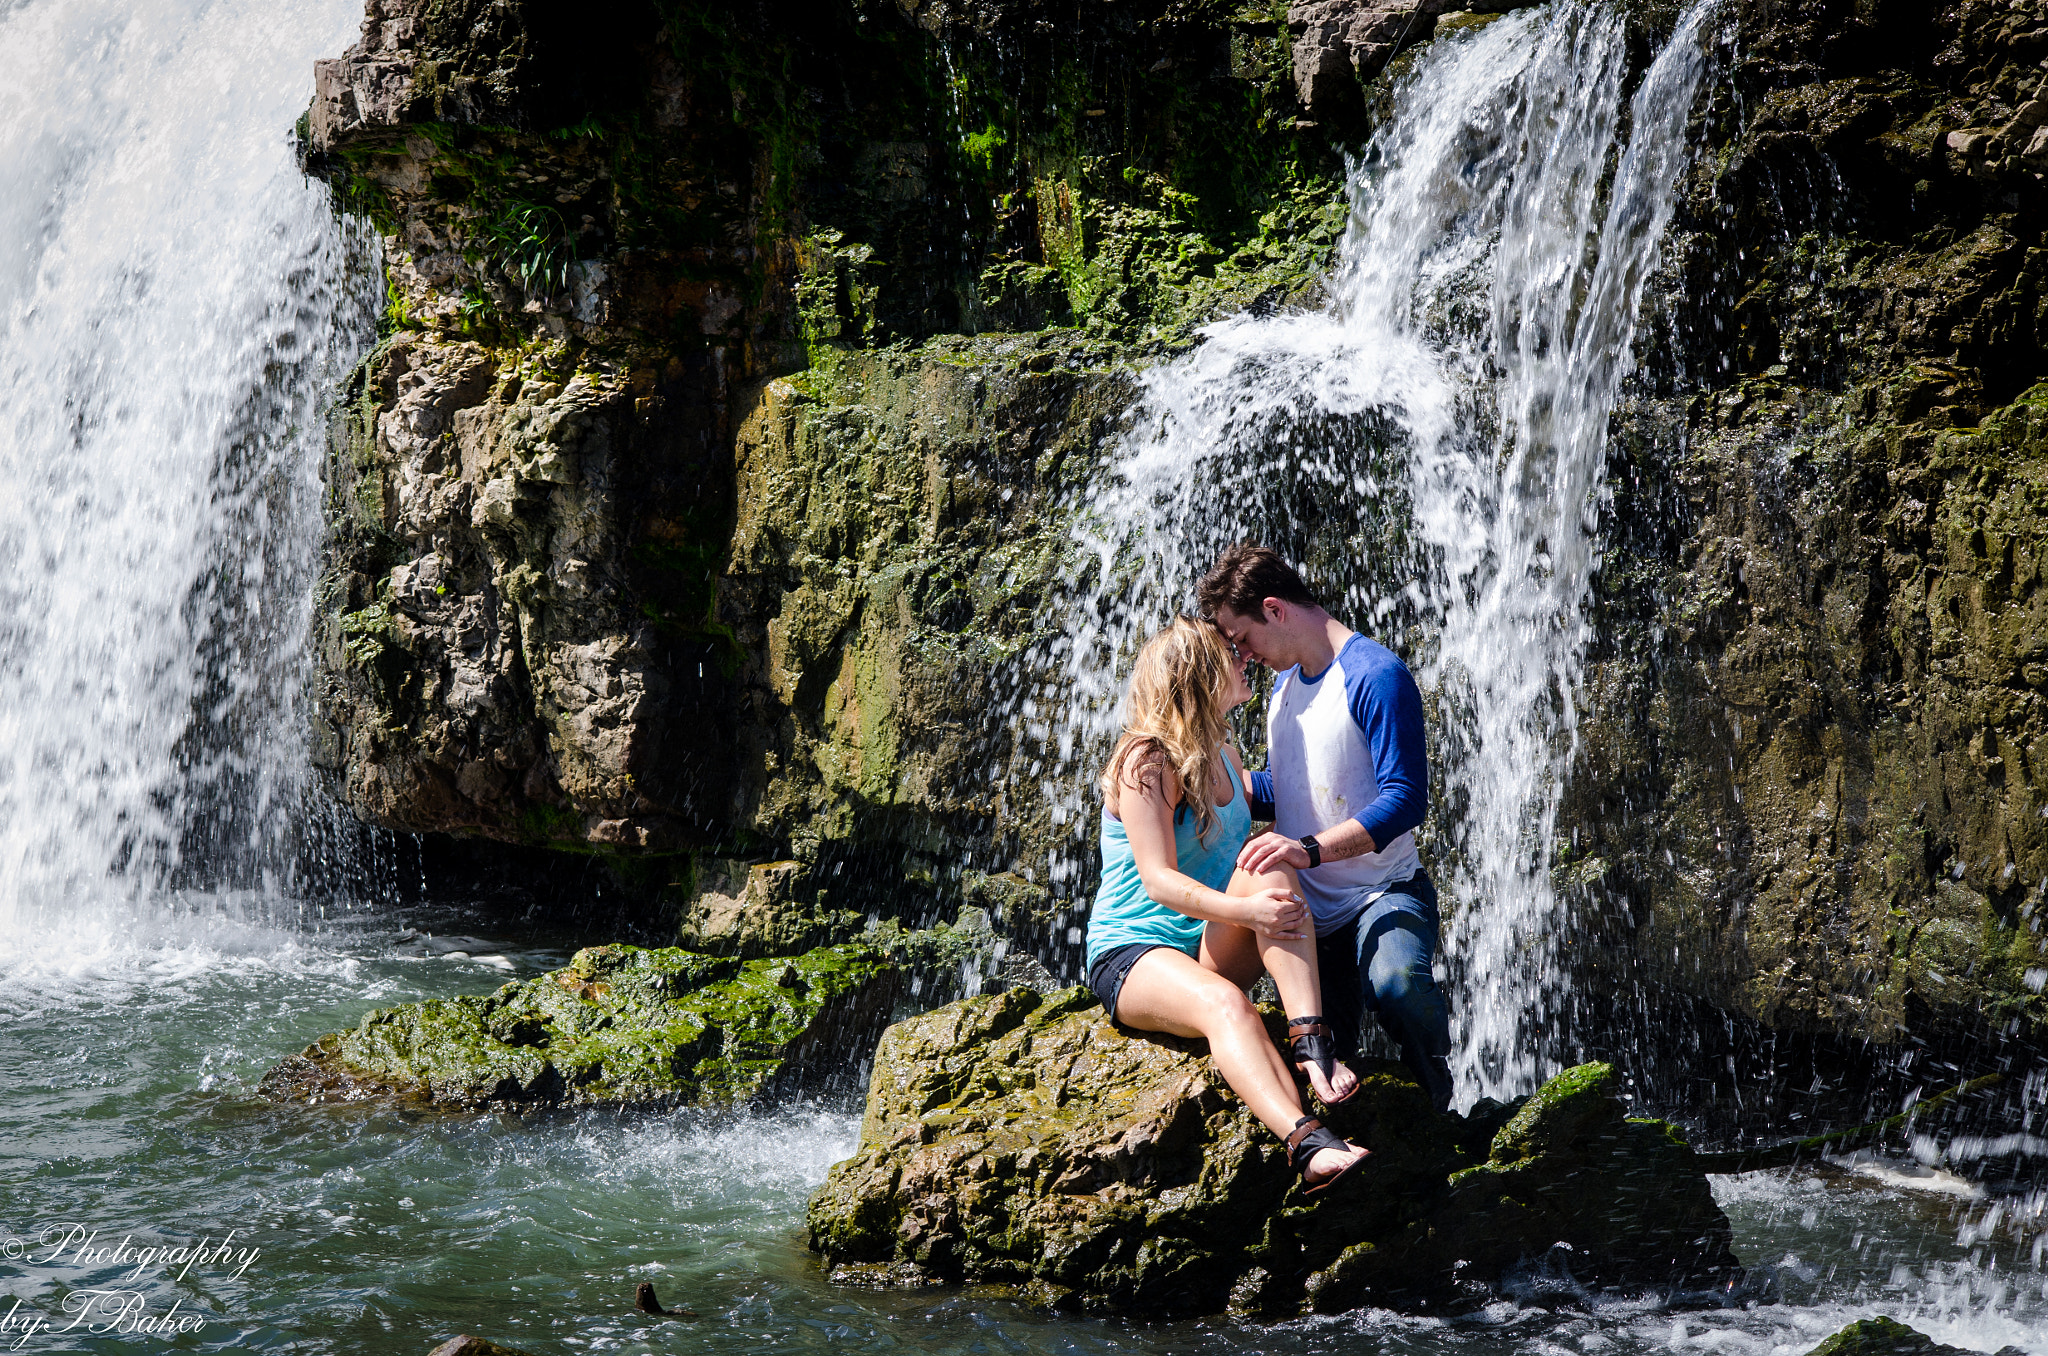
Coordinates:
(1402, 984)
(1410, 1004)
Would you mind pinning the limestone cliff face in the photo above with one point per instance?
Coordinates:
(739, 366)
(1811, 791)
(681, 510)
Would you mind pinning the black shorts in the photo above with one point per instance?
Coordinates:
(1106, 977)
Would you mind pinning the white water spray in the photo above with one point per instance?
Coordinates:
(175, 300)
(1430, 446)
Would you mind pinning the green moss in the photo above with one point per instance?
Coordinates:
(1560, 1112)
(369, 632)
(835, 293)
(1118, 1169)
(550, 825)
(1882, 1337)
(619, 1025)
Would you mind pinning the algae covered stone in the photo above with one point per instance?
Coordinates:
(1022, 1139)
(617, 1026)
(1883, 1337)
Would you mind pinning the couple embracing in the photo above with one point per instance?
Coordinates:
(1332, 903)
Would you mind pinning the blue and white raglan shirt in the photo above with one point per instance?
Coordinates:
(1347, 743)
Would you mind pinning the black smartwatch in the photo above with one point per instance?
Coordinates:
(1315, 850)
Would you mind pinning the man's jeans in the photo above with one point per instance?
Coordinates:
(1380, 962)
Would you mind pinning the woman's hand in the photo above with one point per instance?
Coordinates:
(1277, 913)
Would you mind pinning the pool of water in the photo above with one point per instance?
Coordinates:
(131, 1128)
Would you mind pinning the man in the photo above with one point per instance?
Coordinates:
(1348, 782)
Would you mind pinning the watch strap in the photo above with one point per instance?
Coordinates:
(1315, 850)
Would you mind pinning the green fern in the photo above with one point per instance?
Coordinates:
(532, 243)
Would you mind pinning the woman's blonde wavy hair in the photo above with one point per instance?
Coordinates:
(1176, 708)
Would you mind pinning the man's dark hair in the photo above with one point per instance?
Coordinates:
(1244, 576)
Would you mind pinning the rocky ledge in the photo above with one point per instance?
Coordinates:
(624, 1026)
(1023, 1140)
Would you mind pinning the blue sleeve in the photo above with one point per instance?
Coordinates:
(1387, 707)
(1260, 798)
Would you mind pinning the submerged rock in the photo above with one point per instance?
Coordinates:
(466, 1345)
(617, 1026)
(1023, 1139)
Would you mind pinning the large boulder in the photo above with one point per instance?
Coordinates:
(1022, 1139)
(617, 1026)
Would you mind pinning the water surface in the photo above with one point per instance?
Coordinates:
(132, 1111)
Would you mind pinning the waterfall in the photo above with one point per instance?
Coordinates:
(175, 298)
(1429, 444)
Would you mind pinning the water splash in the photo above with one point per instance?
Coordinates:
(1429, 446)
(1515, 527)
(175, 298)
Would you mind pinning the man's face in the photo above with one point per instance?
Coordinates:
(1244, 634)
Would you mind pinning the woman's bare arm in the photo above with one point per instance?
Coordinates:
(1146, 796)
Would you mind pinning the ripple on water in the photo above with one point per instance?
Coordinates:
(131, 1109)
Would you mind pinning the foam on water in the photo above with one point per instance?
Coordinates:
(175, 301)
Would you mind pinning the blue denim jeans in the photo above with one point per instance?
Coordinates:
(1380, 963)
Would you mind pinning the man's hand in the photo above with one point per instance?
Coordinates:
(1269, 850)
(1277, 913)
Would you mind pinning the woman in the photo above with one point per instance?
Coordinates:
(1177, 933)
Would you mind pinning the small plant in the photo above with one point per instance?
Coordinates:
(475, 309)
(397, 306)
(588, 127)
(532, 243)
(983, 151)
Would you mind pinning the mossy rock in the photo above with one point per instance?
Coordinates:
(1883, 1337)
(1023, 1140)
(759, 910)
(617, 1026)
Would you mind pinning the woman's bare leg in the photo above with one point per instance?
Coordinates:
(1169, 991)
(1293, 968)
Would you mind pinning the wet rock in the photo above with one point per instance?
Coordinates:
(1022, 1140)
(1809, 793)
(474, 1346)
(618, 1026)
(1883, 1337)
(647, 1302)
(725, 516)
(759, 910)
(1341, 45)
(688, 502)
(469, 61)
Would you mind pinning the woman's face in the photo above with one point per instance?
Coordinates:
(1237, 689)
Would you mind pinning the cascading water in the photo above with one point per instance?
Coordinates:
(176, 300)
(1430, 444)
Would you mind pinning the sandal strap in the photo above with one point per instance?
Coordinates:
(1309, 1138)
(1315, 1047)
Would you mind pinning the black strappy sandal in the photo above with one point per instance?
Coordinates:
(1313, 1046)
(1309, 1138)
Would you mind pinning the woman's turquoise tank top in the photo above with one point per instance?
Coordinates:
(1124, 913)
